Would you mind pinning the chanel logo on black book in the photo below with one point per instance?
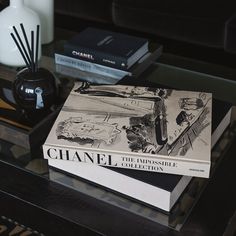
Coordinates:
(82, 54)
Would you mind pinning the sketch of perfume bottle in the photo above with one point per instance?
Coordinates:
(161, 130)
(161, 124)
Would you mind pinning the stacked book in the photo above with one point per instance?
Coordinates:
(148, 145)
(105, 57)
(145, 143)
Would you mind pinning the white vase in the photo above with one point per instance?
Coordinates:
(45, 10)
(15, 14)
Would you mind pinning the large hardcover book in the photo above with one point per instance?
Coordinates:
(179, 213)
(154, 189)
(108, 48)
(148, 129)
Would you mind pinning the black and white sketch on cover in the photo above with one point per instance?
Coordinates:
(136, 119)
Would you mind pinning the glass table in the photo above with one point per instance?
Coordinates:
(55, 203)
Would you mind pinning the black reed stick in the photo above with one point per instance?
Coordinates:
(27, 42)
(22, 45)
(21, 52)
(32, 51)
(37, 48)
(30, 57)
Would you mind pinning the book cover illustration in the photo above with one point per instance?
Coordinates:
(136, 121)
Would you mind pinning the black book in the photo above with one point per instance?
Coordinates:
(108, 48)
(154, 189)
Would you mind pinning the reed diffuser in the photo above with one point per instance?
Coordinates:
(34, 88)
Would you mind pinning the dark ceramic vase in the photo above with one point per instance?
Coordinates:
(35, 92)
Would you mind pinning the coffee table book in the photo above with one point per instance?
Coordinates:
(179, 213)
(108, 48)
(149, 129)
(155, 190)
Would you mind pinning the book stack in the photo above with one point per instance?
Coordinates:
(144, 143)
(105, 57)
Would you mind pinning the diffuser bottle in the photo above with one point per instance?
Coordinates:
(35, 92)
(34, 88)
(14, 15)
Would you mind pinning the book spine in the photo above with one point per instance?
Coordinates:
(85, 76)
(97, 57)
(157, 164)
(89, 67)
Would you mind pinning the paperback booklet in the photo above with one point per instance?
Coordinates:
(112, 49)
(142, 128)
(157, 190)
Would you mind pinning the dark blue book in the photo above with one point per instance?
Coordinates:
(108, 48)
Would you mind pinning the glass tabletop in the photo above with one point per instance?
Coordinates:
(169, 70)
